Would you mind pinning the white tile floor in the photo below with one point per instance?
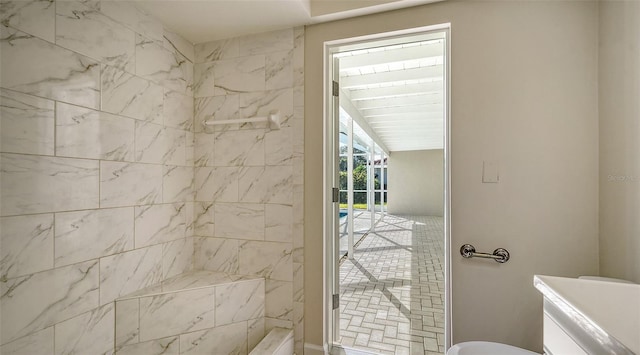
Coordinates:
(392, 292)
(361, 225)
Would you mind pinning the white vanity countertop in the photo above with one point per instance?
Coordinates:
(602, 309)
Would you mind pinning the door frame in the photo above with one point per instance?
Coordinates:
(330, 269)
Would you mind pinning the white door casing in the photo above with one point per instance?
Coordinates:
(331, 179)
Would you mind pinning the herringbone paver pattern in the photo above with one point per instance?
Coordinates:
(392, 292)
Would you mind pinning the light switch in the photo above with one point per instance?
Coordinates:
(490, 172)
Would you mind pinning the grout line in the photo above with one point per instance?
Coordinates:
(54, 240)
(99, 184)
(94, 159)
(55, 22)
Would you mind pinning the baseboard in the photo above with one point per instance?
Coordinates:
(313, 349)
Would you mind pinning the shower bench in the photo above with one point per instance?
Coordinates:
(193, 313)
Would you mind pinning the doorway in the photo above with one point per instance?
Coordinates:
(387, 241)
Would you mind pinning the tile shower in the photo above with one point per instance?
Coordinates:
(110, 184)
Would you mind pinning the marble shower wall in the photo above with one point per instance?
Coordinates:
(96, 105)
(248, 178)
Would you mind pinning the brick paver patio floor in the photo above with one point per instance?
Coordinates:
(392, 292)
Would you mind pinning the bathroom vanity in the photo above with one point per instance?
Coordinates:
(589, 317)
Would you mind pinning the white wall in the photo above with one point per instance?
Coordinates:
(416, 182)
(523, 93)
(619, 93)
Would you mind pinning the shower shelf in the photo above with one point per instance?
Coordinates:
(273, 119)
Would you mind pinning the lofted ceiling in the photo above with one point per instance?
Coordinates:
(201, 21)
(396, 93)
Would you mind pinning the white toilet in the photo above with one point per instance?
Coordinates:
(491, 348)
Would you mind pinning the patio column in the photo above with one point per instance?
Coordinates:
(350, 187)
(372, 184)
(382, 157)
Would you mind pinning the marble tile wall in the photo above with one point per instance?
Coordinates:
(214, 315)
(96, 163)
(248, 178)
(110, 183)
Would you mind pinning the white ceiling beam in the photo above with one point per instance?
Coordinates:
(400, 101)
(350, 109)
(418, 119)
(401, 110)
(414, 143)
(418, 148)
(430, 131)
(403, 131)
(432, 144)
(426, 141)
(423, 143)
(422, 146)
(435, 87)
(432, 72)
(392, 56)
(406, 116)
(399, 140)
(385, 132)
(422, 140)
(401, 124)
(413, 139)
(403, 134)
